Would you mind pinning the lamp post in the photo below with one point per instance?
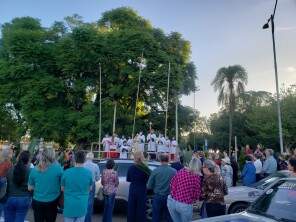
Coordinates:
(141, 65)
(167, 102)
(266, 26)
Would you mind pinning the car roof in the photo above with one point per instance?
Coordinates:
(129, 161)
(289, 179)
(286, 173)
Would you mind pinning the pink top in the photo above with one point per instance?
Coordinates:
(185, 187)
(109, 181)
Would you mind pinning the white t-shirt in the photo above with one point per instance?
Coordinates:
(258, 166)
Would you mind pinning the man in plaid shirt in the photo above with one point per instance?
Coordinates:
(185, 190)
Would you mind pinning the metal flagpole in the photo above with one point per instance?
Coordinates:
(138, 89)
(194, 121)
(167, 103)
(177, 127)
(100, 118)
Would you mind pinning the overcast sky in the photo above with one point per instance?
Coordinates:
(221, 32)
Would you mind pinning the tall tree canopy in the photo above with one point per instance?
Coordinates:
(50, 76)
(230, 83)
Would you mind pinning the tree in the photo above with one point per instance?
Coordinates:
(50, 76)
(230, 82)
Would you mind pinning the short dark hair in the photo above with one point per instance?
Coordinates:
(292, 162)
(80, 157)
(110, 164)
(164, 158)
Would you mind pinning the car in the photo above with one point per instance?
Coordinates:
(240, 197)
(121, 197)
(277, 203)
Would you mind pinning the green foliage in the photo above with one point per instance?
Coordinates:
(50, 76)
(255, 121)
(230, 83)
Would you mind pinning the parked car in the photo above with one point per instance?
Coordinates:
(240, 197)
(277, 203)
(121, 197)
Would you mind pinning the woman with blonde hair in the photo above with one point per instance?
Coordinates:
(138, 175)
(45, 182)
(185, 190)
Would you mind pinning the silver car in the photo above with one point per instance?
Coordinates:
(121, 197)
(240, 197)
(277, 203)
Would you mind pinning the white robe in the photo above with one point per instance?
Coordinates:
(151, 139)
(174, 147)
(124, 151)
(141, 139)
(167, 146)
(107, 141)
(130, 142)
(161, 145)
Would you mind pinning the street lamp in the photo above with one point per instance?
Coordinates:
(266, 26)
(141, 65)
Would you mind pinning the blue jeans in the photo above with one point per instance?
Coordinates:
(160, 209)
(74, 219)
(90, 206)
(180, 212)
(16, 208)
(109, 201)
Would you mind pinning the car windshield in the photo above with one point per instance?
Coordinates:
(265, 182)
(278, 203)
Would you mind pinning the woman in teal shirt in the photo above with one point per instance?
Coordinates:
(76, 184)
(45, 182)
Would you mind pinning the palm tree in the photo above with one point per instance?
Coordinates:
(230, 83)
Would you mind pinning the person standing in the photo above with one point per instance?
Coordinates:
(292, 165)
(258, 166)
(235, 169)
(138, 175)
(167, 145)
(107, 141)
(282, 164)
(45, 182)
(178, 163)
(129, 142)
(141, 139)
(95, 171)
(151, 139)
(249, 172)
(124, 150)
(76, 184)
(213, 190)
(159, 182)
(110, 184)
(174, 146)
(5, 165)
(248, 150)
(161, 144)
(270, 164)
(18, 197)
(227, 172)
(185, 191)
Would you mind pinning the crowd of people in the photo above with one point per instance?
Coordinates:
(150, 143)
(43, 183)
